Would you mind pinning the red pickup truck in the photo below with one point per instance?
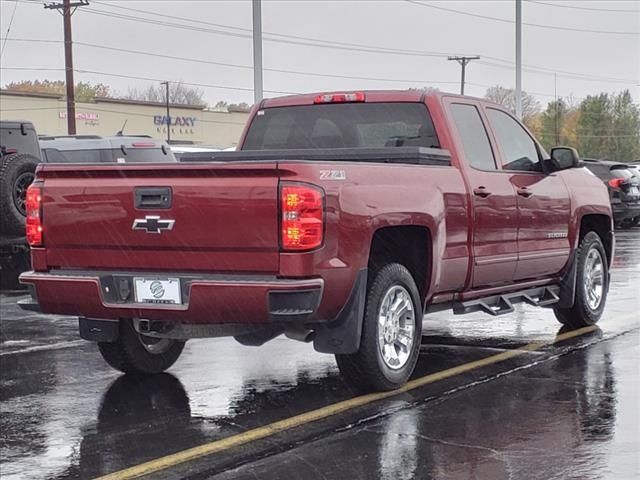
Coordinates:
(342, 219)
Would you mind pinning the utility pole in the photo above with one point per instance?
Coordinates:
(166, 98)
(463, 63)
(66, 6)
(257, 51)
(519, 59)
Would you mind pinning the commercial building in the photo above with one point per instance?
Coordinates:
(107, 116)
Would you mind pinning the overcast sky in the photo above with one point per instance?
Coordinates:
(418, 35)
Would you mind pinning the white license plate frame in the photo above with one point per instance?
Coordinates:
(157, 291)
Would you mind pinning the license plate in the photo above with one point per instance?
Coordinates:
(155, 290)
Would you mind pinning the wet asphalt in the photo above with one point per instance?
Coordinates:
(566, 411)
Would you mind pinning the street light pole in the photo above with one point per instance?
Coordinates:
(166, 84)
(519, 59)
(257, 51)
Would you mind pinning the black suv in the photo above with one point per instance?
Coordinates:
(624, 189)
(19, 156)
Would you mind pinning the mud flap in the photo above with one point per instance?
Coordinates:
(568, 285)
(342, 335)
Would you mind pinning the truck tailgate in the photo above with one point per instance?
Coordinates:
(225, 217)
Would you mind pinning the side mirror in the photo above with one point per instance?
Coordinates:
(563, 158)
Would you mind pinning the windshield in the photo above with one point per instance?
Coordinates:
(342, 126)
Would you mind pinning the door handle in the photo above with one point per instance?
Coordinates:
(524, 192)
(481, 192)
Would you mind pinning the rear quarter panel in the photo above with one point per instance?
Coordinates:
(374, 196)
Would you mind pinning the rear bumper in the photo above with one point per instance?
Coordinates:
(624, 210)
(208, 299)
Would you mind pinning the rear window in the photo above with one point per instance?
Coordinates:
(343, 125)
(115, 155)
(54, 155)
(142, 155)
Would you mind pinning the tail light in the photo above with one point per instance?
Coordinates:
(340, 98)
(616, 183)
(34, 215)
(302, 221)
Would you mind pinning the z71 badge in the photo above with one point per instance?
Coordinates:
(333, 175)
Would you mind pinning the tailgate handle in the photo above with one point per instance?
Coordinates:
(152, 197)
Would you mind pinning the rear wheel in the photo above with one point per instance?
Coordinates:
(391, 332)
(592, 285)
(17, 171)
(136, 353)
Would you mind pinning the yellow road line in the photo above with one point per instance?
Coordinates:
(321, 413)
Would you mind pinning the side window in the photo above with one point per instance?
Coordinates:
(475, 141)
(518, 148)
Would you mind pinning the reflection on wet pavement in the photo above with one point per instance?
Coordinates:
(65, 414)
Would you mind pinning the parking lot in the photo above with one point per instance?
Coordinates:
(509, 397)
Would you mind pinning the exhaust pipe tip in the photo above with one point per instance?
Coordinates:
(300, 334)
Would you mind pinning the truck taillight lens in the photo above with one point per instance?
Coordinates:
(33, 206)
(302, 222)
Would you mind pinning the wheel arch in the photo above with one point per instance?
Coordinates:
(408, 245)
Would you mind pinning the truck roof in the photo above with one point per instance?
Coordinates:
(370, 96)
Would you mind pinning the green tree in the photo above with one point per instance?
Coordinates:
(552, 121)
(594, 127)
(84, 91)
(626, 128)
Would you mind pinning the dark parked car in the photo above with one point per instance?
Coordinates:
(623, 183)
(96, 149)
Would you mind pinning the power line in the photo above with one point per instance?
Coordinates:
(614, 10)
(13, 14)
(248, 67)
(346, 46)
(318, 42)
(564, 74)
(151, 79)
(503, 20)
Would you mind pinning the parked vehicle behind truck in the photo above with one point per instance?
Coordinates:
(19, 156)
(624, 189)
(342, 219)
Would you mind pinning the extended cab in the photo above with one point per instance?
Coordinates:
(342, 219)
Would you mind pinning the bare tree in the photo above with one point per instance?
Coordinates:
(179, 93)
(507, 98)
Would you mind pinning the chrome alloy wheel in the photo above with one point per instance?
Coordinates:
(594, 278)
(396, 327)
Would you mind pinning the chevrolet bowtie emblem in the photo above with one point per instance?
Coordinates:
(152, 224)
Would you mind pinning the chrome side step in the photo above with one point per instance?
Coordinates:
(503, 304)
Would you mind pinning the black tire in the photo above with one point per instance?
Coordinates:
(582, 314)
(129, 355)
(16, 174)
(628, 223)
(9, 280)
(366, 369)
(11, 269)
